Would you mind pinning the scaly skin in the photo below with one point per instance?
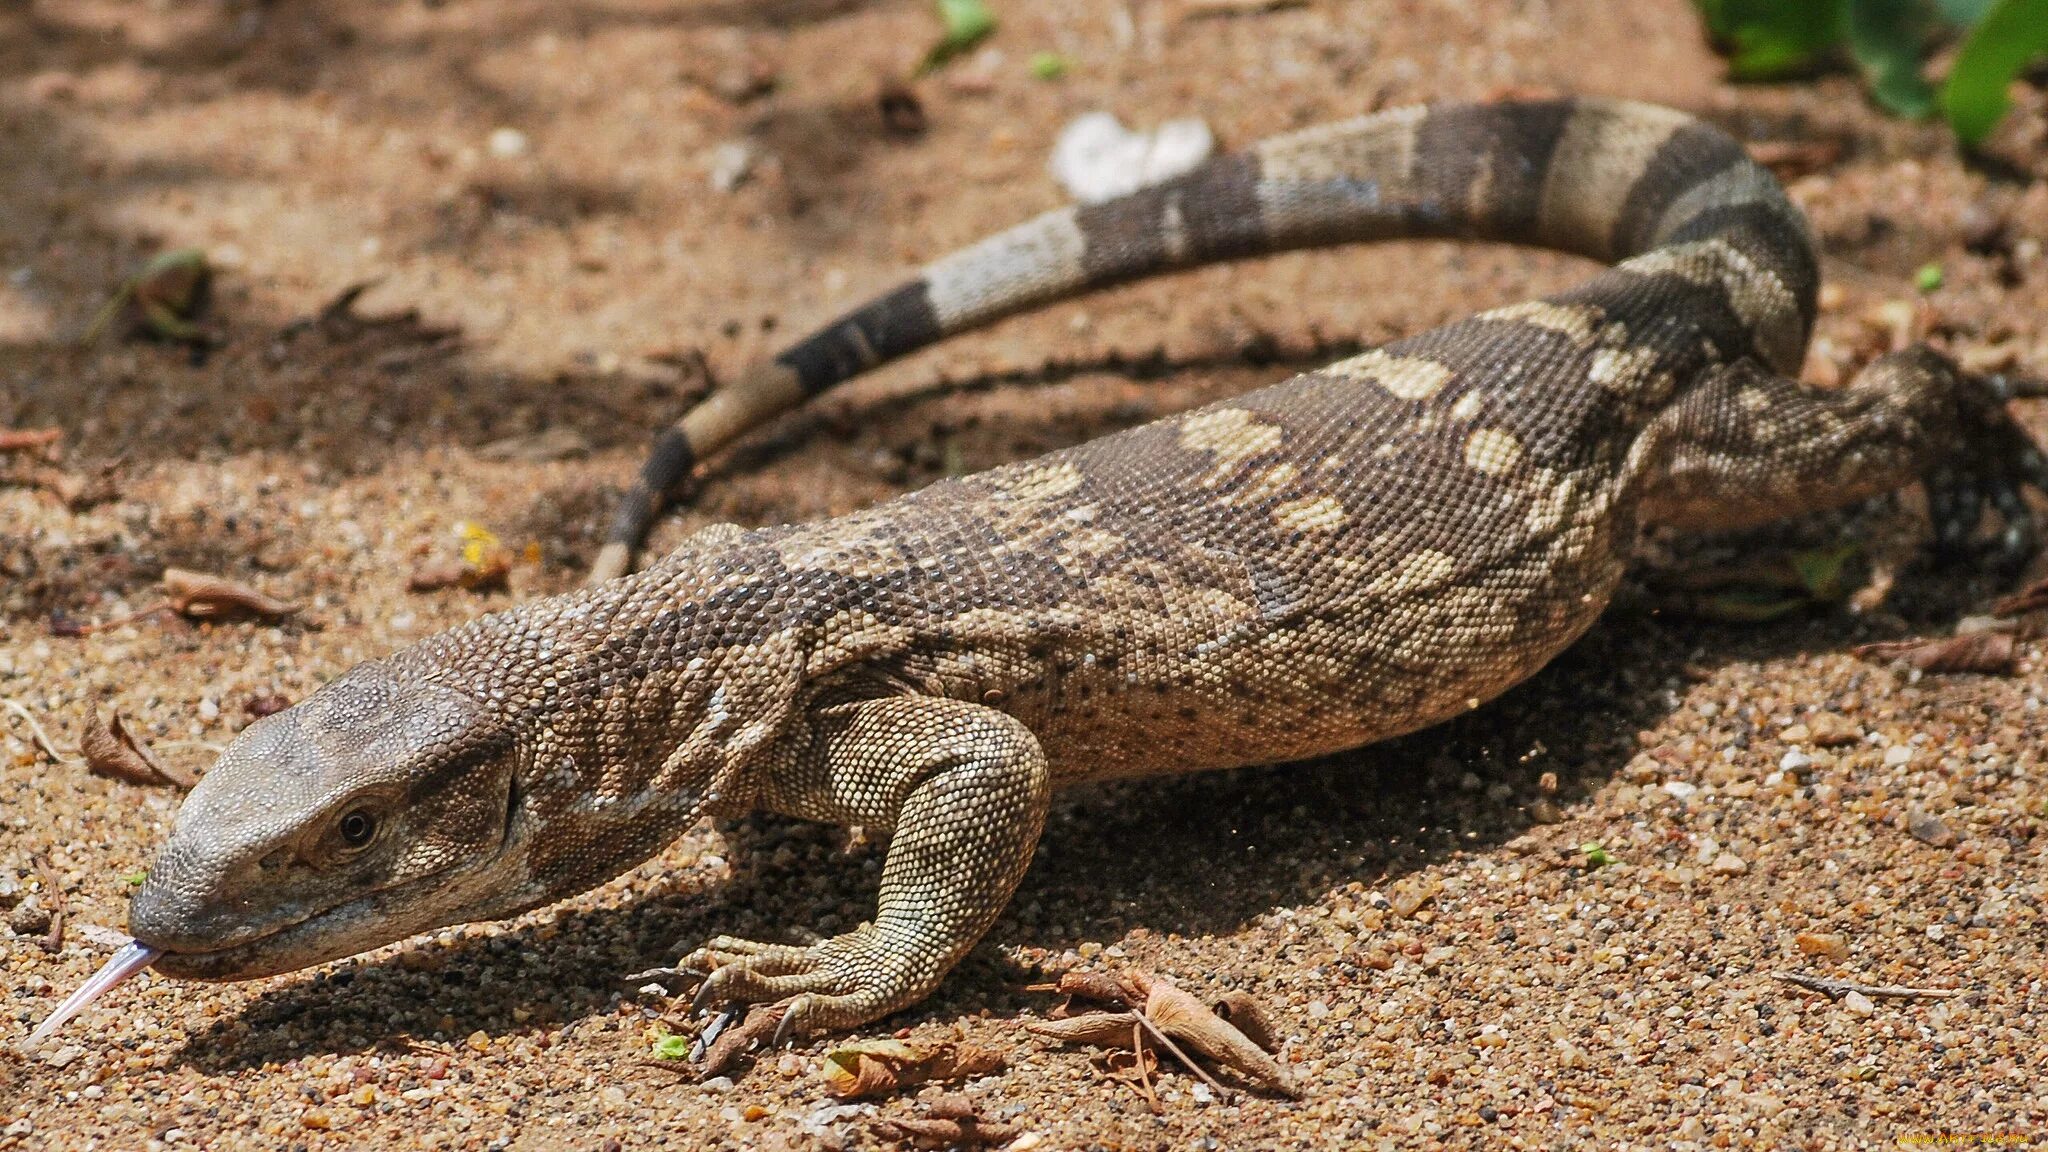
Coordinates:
(1356, 553)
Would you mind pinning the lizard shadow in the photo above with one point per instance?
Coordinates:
(1191, 856)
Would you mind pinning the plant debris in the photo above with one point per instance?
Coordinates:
(483, 564)
(1991, 653)
(163, 300)
(727, 1045)
(110, 750)
(1836, 989)
(1160, 1012)
(879, 1067)
(52, 941)
(199, 596)
(948, 1122)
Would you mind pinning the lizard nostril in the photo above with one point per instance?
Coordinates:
(275, 861)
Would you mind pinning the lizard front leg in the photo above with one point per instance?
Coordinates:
(965, 789)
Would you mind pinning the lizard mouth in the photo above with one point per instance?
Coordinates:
(328, 934)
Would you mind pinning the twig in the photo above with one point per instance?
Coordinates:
(41, 738)
(1144, 1074)
(1167, 1043)
(1836, 989)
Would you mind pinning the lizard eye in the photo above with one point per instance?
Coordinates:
(358, 827)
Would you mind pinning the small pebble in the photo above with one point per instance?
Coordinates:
(1856, 1003)
(508, 143)
(1823, 944)
(1928, 828)
(731, 163)
(1832, 730)
(1729, 864)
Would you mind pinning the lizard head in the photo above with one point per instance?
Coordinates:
(383, 805)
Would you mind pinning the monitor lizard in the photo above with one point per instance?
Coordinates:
(1358, 552)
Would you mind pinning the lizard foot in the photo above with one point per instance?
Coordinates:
(1995, 462)
(839, 983)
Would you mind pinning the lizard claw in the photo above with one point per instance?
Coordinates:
(838, 983)
(1993, 463)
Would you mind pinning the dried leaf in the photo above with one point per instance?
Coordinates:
(879, 1067)
(1181, 1016)
(944, 1132)
(758, 1028)
(1099, 987)
(1136, 1067)
(1249, 1015)
(203, 597)
(1992, 653)
(1109, 1029)
(111, 751)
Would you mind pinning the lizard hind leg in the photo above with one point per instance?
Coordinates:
(965, 789)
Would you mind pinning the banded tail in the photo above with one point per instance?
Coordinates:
(1612, 180)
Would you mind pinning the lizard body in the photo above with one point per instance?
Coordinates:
(1355, 553)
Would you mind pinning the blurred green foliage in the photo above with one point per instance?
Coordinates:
(1889, 42)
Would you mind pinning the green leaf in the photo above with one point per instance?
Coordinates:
(1929, 277)
(1886, 38)
(967, 23)
(2012, 33)
(1596, 856)
(1048, 65)
(135, 879)
(1771, 39)
(669, 1046)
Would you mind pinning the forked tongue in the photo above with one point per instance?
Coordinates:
(127, 962)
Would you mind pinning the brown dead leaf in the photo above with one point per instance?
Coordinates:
(1181, 1016)
(203, 597)
(757, 1028)
(1098, 987)
(879, 1067)
(1992, 653)
(1249, 1015)
(24, 439)
(1108, 1029)
(1136, 1067)
(111, 751)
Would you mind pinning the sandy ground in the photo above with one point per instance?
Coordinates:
(526, 184)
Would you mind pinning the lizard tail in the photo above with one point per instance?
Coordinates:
(1603, 178)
